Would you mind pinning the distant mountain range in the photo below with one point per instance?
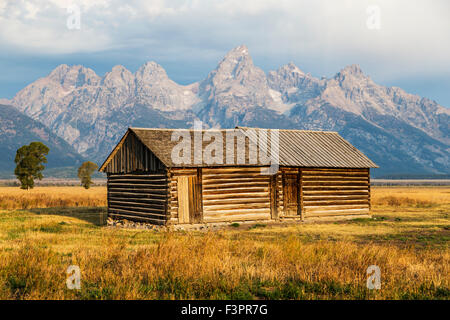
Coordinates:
(401, 132)
(17, 129)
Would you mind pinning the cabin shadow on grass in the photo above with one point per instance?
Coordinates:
(94, 215)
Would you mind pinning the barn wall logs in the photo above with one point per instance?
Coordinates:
(328, 192)
(138, 197)
(235, 194)
(279, 194)
(238, 194)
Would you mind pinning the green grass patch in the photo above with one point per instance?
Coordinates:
(257, 225)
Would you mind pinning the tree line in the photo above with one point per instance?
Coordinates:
(30, 160)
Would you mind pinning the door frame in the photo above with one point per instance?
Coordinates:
(299, 191)
(189, 192)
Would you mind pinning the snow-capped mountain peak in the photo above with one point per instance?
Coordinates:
(92, 112)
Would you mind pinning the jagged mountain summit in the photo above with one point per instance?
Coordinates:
(401, 132)
(91, 112)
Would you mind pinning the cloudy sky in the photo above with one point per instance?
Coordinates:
(398, 43)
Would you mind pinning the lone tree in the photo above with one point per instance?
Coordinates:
(29, 163)
(84, 173)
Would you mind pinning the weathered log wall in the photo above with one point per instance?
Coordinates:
(138, 197)
(235, 194)
(279, 194)
(238, 194)
(327, 192)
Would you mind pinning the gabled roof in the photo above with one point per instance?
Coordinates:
(297, 148)
(306, 148)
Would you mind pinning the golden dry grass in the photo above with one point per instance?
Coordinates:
(410, 196)
(47, 197)
(323, 260)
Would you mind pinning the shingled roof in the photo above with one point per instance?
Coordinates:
(297, 148)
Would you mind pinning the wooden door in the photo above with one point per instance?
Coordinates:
(290, 191)
(188, 200)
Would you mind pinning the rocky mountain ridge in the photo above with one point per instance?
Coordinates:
(399, 131)
(17, 129)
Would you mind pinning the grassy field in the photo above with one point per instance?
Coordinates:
(45, 230)
(51, 197)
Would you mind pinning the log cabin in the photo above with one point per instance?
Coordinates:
(310, 174)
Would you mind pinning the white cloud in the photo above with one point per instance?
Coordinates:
(413, 36)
